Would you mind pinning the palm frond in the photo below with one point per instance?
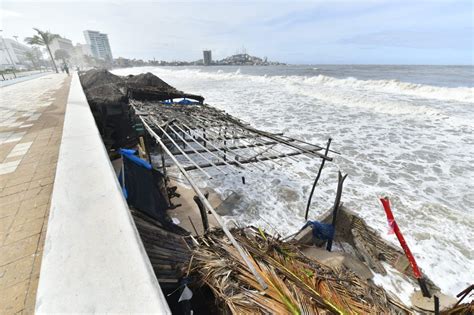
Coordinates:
(296, 285)
(34, 40)
(44, 37)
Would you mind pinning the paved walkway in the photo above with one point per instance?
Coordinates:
(31, 121)
(22, 78)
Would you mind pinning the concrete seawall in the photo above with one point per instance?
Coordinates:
(94, 260)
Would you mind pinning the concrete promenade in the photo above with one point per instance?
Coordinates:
(31, 123)
(22, 78)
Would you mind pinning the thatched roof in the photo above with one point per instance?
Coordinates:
(296, 284)
(103, 88)
(109, 94)
(94, 78)
(109, 88)
(149, 80)
(147, 86)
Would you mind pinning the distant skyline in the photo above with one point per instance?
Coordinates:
(316, 32)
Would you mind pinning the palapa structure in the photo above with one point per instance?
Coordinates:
(296, 284)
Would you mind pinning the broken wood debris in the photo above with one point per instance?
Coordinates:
(206, 137)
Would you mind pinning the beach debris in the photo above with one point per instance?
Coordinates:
(460, 308)
(108, 96)
(207, 206)
(335, 208)
(204, 137)
(353, 236)
(394, 226)
(168, 249)
(202, 211)
(296, 284)
(147, 86)
(434, 303)
(317, 179)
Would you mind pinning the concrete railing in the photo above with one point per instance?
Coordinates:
(93, 260)
(15, 75)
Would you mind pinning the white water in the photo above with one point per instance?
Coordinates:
(413, 143)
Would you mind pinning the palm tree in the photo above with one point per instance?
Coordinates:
(61, 54)
(43, 39)
(31, 57)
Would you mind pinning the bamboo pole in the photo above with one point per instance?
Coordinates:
(194, 150)
(206, 149)
(208, 207)
(233, 152)
(316, 180)
(249, 146)
(246, 146)
(177, 146)
(337, 203)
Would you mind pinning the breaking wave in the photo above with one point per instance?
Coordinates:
(459, 94)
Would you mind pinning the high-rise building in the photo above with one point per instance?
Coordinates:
(99, 44)
(13, 53)
(207, 54)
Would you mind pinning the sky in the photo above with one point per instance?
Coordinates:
(298, 32)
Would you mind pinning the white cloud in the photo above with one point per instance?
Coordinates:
(290, 31)
(4, 14)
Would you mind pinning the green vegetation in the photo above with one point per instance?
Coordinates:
(43, 39)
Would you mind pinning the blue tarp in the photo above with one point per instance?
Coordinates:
(321, 231)
(182, 102)
(130, 154)
(187, 102)
(144, 186)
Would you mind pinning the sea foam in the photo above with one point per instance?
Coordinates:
(413, 143)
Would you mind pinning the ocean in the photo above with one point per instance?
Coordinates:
(406, 132)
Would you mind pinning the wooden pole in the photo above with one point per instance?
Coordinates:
(205, 221)
(194, 227)
(337, 201)
(208, 207)
(316, 180)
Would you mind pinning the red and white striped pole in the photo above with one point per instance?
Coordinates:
(394, 226)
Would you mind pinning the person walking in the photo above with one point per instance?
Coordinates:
(66, 68)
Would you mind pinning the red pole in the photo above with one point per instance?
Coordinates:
(393, 224)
